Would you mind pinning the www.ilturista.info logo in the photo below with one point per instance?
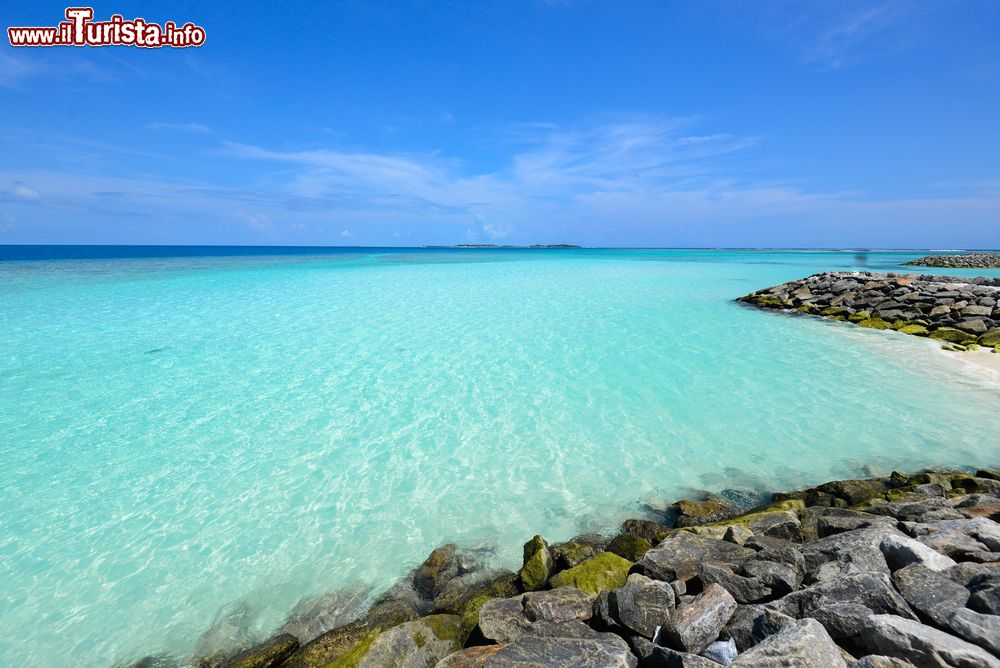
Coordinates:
(79, 29)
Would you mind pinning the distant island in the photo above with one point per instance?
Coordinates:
(507, 246)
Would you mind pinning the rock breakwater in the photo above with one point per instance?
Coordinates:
(899, 571)
(964, 260)
(961, 312)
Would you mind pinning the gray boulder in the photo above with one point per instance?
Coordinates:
(642, 604)
(422, 642)
(677, 556)
(503, 620)
(780, 578)
(878, 661)
(605, 651)
(985, 598)
(843, 621)
(743, 589)
(932, 594)
(750, 624)
(722, 651)
(694, 626)
(871, 590)
(558, 605)
(803, 644)
(900, 551)
(983, 630)
(922, 645)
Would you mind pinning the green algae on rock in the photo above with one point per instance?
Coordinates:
(537, 564)
(603, 572)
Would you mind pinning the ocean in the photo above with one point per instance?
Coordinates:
(189, 435)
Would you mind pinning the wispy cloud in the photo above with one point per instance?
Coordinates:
(637, 180)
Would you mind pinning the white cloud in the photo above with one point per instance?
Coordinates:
(24, 193)
(346, 233)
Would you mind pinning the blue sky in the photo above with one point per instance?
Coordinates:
(710, 123)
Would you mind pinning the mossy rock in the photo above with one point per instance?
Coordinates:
(832, 310)
(972, 346)
(859, 316)
(466, 602)
(794, 505)
(538, 564)
(694, 513)
(914, 330)
(954, 347)
(651, 531)
(874, 323)
(990, 339)
(629, 546)
(271, 653)
(808, 309)
(949, 335)
(422, 642)
(603, 572)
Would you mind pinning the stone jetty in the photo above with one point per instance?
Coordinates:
(894, 572)
(964, 260)
(963, 313)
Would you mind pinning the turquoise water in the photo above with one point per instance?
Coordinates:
(182, 435)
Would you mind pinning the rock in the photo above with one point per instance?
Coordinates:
(779, 577)
(315, 615)
(783, 524)
(436, 571)
(854, 491)
(721, 651)
(651, 531)
(268, 655)
(857, 560)
(966, 574)
(466, 600)
(900, 551)
(350, 639)
(872, 590)
(572, 628)
(737, 534)
(922, 645)
(558, 605)
(664, 657)
(977, 628)
(422, 642)
(695, 513)
(694, 626)
(990, 338)
(877, 661)
(932, 594)
(752, 623)
(606, 651)
(803, 644)
(629, 546)
(572, 552)
(840, 520)
(604, 571)
(843, 621)
(472, 657)
(537, 564)
(986, 599)
(953, 544)
(503, 620)
(743, 589)
(678, 555)
(642, 604)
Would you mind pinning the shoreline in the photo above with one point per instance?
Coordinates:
(466, 607)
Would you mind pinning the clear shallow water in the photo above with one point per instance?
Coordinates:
(180, 435)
